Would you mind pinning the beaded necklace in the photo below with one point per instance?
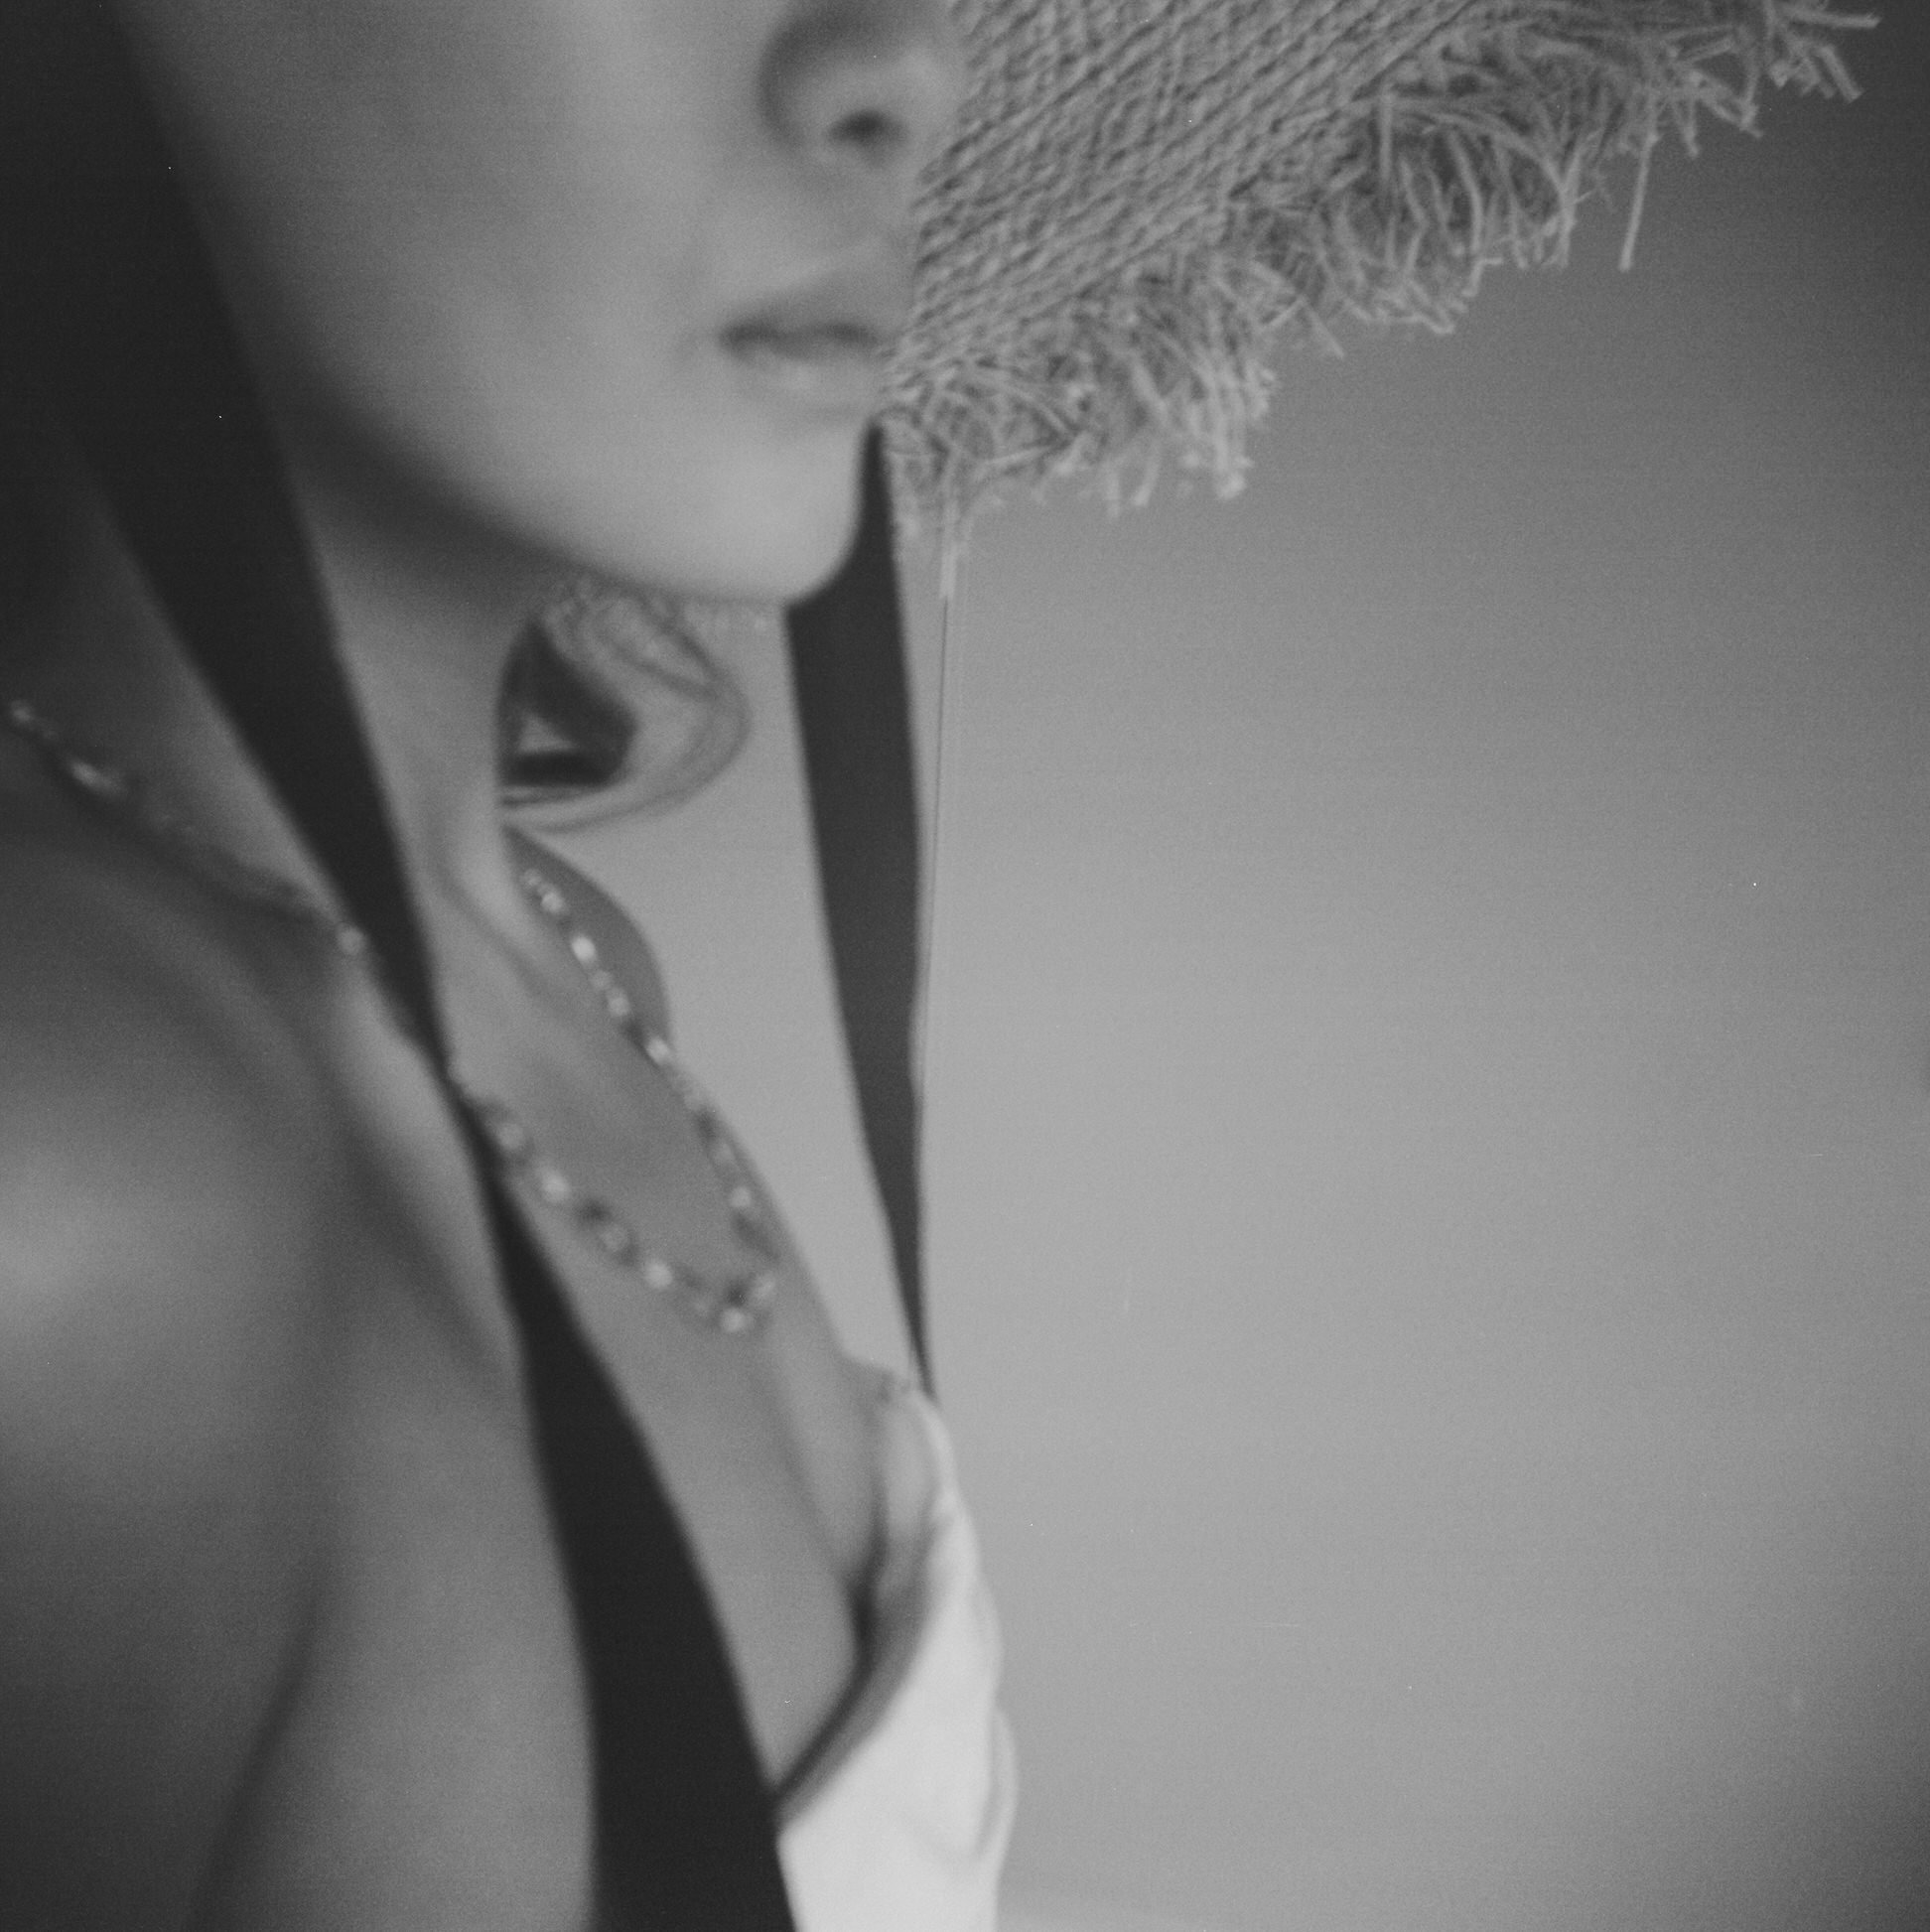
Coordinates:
(734, 1303)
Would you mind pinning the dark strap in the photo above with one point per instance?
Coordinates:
(847, 666)
(107, 289)
(109, 294)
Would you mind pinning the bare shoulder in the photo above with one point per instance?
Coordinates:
(163, 1352)
(624, 949)
(137, 1054)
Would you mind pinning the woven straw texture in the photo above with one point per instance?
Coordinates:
(1143, 197)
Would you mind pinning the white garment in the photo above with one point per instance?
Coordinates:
(902, 1822)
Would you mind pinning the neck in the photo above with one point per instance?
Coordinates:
(425, 613)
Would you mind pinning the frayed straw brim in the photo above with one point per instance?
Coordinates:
(1143, 197)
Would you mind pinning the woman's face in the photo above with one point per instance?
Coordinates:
(609, 277)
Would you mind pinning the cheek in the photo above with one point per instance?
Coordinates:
(697, 494)
(412, 201)
(479, 241)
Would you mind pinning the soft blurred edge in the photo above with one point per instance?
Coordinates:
(1049, 1912)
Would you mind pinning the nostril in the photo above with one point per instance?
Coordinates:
(872, 83)
(870, 133)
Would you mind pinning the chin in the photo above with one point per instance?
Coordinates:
(796, 520)
(766, 528)
(789, 557)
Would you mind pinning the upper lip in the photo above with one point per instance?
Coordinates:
(870, 299)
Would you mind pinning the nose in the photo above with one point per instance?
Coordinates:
(868, 87)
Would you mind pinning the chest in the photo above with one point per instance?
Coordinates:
(436, 1746)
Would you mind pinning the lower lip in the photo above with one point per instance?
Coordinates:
(839, 370)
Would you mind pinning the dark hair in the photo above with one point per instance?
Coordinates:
(564, 733)
(109, 300)
(31, 547)
(110, 304)
(35, 82)
(70, 118)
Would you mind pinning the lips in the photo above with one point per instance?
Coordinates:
(825, 341)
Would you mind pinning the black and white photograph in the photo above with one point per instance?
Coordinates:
(964, 966)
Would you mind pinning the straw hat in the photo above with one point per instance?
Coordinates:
(1140, 200)
(1144, 196)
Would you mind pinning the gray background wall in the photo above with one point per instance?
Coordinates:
(1430, 1096)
